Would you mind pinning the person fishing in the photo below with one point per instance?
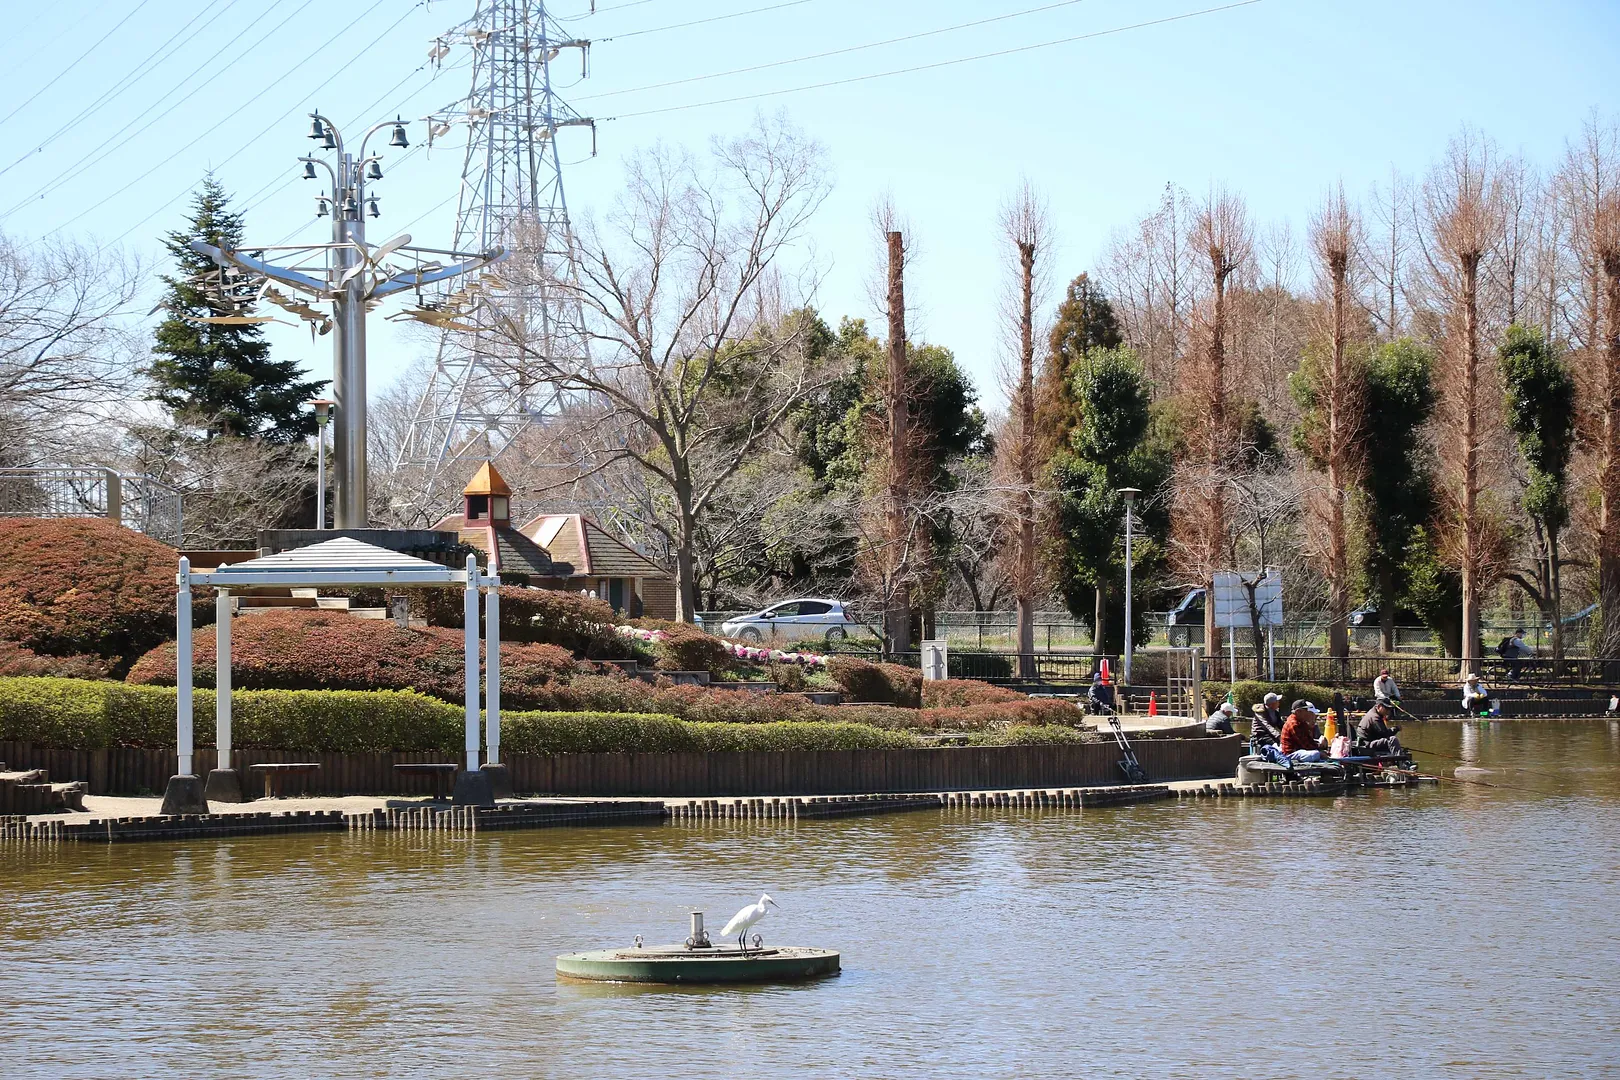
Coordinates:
(1375, 734)
(1476, 698)
(1266, 729)
(1301, 739)
(1220, 721)
(1101, 695)
(1384, 688)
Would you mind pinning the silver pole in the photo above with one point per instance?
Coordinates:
(320, 473)
(349, 355)
(1128, 624)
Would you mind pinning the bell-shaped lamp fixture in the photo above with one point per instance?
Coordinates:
(320, 207)
(398, 137)
(372, 202)
(317, 130)
(309, 170)
(349, 206)
(375, 172)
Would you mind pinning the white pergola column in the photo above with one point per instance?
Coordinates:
(470, 657)
(182, 667)
(492, 677)
(222, 678)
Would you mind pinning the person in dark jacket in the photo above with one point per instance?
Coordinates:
(1267, 726)
(1101, 695)
(1375, 734)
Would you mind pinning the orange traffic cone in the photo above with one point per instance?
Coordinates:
(1105, 672)
(1153, 703)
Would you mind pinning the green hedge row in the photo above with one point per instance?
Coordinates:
(1246, 692)
(75, 714)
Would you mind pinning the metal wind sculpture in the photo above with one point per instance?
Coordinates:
(351, 276)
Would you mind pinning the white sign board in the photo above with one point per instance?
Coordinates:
(935, 660)
(1232, 598)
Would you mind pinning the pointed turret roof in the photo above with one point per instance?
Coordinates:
(487, 481)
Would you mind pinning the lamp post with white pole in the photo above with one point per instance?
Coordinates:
(1130, 495)
(323, 411)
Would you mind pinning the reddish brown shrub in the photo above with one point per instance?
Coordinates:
(72, 586)
(687, 648)
(956, 693)
(16, 660)
(886, 684)
(322, 650)
(548, 616)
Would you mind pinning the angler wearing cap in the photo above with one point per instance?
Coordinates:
(1220, 721)
(1384, 688)
(1266, 730)
(1375, 733)
(1476, 698)
(1301, 738)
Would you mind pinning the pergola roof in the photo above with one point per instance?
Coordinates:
(339, 561)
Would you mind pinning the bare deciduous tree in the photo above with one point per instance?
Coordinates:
(693, 349)
(1025, 228)
(65, 351)
(1462, 225)
(1335, 243)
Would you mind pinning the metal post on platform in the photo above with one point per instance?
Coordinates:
(492, 677)
(470, 657)
(182, 667)
(222, 677)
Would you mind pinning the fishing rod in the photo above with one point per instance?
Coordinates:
(1459, 780)
(1465, 761)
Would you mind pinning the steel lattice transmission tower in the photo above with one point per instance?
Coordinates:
(481, 396)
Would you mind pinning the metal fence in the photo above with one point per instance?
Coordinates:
(1420, 672)
(138, 502)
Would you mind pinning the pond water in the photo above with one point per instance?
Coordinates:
(1464, 930)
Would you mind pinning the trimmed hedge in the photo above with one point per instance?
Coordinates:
(956, 693)
(545, 616)
(299, 649)
(87, 586)
(888, 684)
(16, 660)
(583, 733)
(1247, 692)
(686, 648)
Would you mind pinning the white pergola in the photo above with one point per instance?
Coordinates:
(336, 563)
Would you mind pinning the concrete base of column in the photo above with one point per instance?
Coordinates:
(184, 795)
(473, 789)
(500, 780)
(224, 785)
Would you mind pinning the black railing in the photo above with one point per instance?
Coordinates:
(1419, 672)
(1003, 667)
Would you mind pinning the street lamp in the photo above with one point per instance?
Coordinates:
(352, 276)
(323, 411)
(1129, 495)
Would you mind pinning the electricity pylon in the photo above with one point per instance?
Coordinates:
(482, 396)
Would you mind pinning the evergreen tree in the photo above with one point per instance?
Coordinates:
(1085, 321)
(1118, 443)
(219, 376)
(1398, 492)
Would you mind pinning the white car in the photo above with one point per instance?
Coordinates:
(794, 620)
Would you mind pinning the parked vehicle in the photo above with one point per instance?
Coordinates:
(806, 619)
(1184, 625)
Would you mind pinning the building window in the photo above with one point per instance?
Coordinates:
(498, 508)
(477, 507)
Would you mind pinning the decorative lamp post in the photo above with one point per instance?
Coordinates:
(323, 412)
(1130, 495)
(351, 276)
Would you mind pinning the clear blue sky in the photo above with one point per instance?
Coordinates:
(1277, 99)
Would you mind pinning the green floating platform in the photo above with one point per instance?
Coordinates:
(679, 964)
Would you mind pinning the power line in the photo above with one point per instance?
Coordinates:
(836, 52)
(60, 75)
(711, 19)
(227, 119)
(937, 64)
(92, 157)
(142, 69)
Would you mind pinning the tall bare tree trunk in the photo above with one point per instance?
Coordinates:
(1609, 451)
(897, 619)
(1470, 463)
(1026, 460)
(1215, 504)
(1334, 232)
(1099, 612)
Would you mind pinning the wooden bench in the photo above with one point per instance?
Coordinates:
(276, 773)
(443, 773)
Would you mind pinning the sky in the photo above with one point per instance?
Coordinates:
(111, 112)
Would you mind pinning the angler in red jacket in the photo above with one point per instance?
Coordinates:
(1301, 739)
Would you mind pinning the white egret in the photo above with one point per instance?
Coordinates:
(744, 919)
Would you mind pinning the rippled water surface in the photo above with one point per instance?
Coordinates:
(1463, 930)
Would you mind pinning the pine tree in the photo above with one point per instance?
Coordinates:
(220, 376)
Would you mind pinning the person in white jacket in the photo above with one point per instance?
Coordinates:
(1476, 697)
(1384, 688)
